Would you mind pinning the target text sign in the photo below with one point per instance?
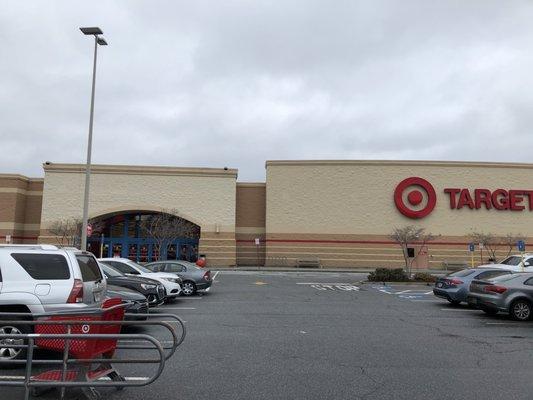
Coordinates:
(416, 198)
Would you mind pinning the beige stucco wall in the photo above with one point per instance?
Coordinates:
(343, 211)
(357, 196)
(205, 196)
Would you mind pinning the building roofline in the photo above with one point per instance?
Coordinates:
(473, 164)
(21, 177)
(251, 184)
(141, 170)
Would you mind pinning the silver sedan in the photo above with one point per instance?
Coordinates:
(193, 277)
(512, 294)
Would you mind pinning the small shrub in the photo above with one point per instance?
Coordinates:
(388, 275)
(424, 277)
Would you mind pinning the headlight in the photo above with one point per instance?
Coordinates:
(173, 280)
(147, 286)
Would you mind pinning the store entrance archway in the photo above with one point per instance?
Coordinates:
(126, 235)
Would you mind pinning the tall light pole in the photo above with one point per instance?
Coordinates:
(98, 41)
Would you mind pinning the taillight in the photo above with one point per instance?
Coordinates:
(76, 294)
(494, 289)
(207, 276)
(456, 281)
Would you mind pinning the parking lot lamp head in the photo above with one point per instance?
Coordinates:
(98, 41)
(94, 30)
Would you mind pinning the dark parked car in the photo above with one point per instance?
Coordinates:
(153, 290)
(139, 302)
(454, 287)
(193, 277)
(512, 294)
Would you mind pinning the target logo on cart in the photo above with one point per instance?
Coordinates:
(415, 197)
(85, 328)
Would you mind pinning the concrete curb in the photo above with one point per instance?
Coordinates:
(274, 269)
(293, 269)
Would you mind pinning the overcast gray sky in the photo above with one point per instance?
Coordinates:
(235, 83)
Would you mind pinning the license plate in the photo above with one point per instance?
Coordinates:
(439, 284)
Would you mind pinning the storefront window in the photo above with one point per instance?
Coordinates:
(117, 230)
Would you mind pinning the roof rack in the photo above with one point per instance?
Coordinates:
(31, 246)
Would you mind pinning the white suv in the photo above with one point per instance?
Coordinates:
(44, 278)
(515, 263)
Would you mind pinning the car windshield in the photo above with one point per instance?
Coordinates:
(462, 273)
(139, 267)
(513, 260)
(153, 267)
(110, 271)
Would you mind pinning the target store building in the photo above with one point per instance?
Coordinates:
(337, 213)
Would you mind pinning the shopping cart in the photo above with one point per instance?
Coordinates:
(83, 350)
(88, 340)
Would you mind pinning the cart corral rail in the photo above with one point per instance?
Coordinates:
(87, 340)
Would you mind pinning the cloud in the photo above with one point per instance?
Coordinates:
(236, 83)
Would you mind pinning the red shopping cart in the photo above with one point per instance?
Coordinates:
(89, 352)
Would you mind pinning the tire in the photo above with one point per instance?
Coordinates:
(520, 310)
(7, 354)
(188, 288)
(454, 302)
(489, 311)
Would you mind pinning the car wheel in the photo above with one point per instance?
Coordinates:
(454, 302)
(520, 310)
(188, 288)
(8, 353)
(489, 311)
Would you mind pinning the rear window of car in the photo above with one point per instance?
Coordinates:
(492, 274)
(43, 266)
(505, 278)
(89, 268)
(462, 273)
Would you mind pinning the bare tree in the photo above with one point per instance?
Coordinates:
(510, 241)
(165, 227)
(410, 235)
(67, 231)
(487, 241)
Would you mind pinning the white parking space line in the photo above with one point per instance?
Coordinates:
(413, 292)
(176, 308)
(216, 274)
(457, 309)
(191, 298)
(427, 300)
(324, 283)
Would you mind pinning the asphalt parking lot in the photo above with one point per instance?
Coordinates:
(264, 335)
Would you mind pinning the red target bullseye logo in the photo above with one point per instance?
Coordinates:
(414, 188)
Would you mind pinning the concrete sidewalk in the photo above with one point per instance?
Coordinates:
(295, 269)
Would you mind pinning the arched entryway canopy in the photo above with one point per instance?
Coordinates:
(144, 236)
